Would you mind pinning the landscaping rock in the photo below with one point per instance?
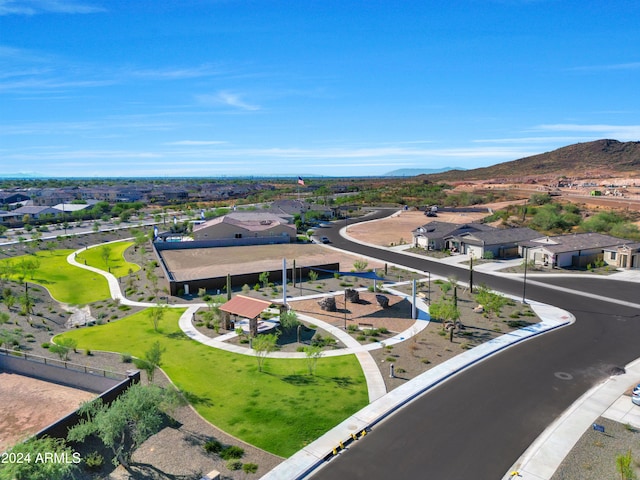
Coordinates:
(382, 301)
(80, 317)
(328, 304)
(352, 295)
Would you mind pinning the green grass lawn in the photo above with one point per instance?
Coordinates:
(66, 283)
(279, 410)
(116, 263)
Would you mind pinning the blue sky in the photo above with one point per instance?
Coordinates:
(302, 87)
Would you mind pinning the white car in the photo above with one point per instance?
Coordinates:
(635, 399)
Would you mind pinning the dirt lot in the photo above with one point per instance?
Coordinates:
(218, 262)
(22, 399)
(396, 230)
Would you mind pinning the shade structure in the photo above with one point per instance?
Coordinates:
(245, 306)
(369, 275)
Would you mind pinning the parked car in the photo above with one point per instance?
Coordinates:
(635, 399)
(636, 390)
(325, 240)
(431, 214)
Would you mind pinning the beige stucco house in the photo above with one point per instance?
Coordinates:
(246, 225)
(623, 256)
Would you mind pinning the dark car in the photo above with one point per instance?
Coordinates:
(431, 214)
(325, 240)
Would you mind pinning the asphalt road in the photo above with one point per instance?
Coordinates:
(476, 425)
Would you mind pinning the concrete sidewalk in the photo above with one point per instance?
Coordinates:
(545, 455)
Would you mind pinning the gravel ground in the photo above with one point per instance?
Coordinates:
(594, 456)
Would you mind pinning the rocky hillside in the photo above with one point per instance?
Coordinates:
(590, 159)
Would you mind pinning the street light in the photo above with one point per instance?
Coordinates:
(345, 308)
(524, 283)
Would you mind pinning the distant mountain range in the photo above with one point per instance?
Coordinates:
(20, 176)
(412, 172)
(599, 158)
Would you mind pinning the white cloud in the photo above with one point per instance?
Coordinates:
(617, 132)
(197, 142)
(206, 70)
(35, 7)
(228, 99)
(537, 140)
(611, 67)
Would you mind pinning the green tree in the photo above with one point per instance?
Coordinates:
(63, 347)
(9, 301)
(37, 468)
(9, 338)
(312, 355)
(444, 310)
(26, 303)
(263, 278)
(263, 345)
(492, 302)
(156, 314)
(151, 361)
(105, 254)
(124, 425)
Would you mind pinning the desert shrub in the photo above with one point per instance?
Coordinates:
(390, 359)
(93, 461)
(517, 323)
(45, 345)
(361, 338)
(352, 328)
(126, 358)
(250, 468)
(213, 446)
(231, 452)
(234, 465)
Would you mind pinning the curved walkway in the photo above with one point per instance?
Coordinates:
(374, 379)
(382, 404)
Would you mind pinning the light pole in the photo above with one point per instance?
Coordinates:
(345, 309)
(524, 283)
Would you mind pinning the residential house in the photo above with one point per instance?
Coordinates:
(443, 235)
(623, 256)
(8, 198)
(246, 225)
(34, 213)
(297, 207)
(494, 243)
(575, 249)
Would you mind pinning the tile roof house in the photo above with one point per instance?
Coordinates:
(261, 226)
(574, 249)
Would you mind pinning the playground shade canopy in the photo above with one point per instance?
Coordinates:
(369, 275)
(245, 306)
